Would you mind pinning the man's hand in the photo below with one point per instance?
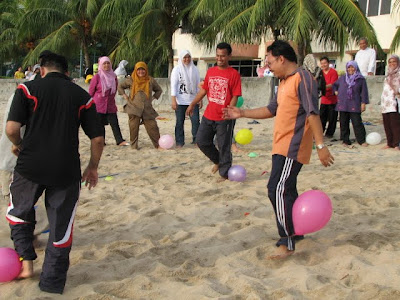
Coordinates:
(231, 112)
(16, 149)
(325, 157)
(363, 107)
(189, 110)
(90, 177)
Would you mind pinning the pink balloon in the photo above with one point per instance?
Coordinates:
(237, 173)
(166, 141)
(10, 265)
(311, 211)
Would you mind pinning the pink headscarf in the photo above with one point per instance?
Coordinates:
(107, 78)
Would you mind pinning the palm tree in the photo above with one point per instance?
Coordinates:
(11, 13)
(63, 26)
(149, 33)
(396, 39)
(333, 23)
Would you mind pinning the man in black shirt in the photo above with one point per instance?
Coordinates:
(52, 109)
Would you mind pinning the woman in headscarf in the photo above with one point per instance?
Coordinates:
(139, 103)
(352, 93)
(185, 79)
(103, 88)
(310, 64)
(120, 70)
(390, 102)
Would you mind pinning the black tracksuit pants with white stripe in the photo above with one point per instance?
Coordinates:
(61, 204)
(282, 191)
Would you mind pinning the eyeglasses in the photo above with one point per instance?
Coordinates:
(271, 63)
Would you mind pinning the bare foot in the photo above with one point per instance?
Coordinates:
(221, 179)
(281, 253)
(386, 147)
(364, 144)
(396, 148)
(215, 168)
(236, 149)
(26, 270)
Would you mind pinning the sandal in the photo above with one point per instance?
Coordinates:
(124, 143)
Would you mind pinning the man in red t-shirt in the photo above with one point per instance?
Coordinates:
(328, 113)
(222, 86)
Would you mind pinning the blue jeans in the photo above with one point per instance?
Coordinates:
(180, 114)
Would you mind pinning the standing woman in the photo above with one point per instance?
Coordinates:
(390, 104)
(185, 79)
(103, 88)
(139, 103)
(352, 93)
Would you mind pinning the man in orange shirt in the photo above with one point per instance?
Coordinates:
(295, 107)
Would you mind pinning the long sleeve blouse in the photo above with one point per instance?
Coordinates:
(388, 98)
(141, 105)
(359, 95)
(104, 104)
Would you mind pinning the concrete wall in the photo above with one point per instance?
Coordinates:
(256, 92)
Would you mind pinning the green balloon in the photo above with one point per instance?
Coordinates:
(240, 101)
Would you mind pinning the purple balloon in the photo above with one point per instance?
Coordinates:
(10, 265)
(311, 211)
(237, 173)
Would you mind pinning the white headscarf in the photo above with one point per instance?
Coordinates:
(189, 72)
(120, 70)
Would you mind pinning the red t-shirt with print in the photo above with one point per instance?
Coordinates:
(221, 86)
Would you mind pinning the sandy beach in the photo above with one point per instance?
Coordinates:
(159, 226)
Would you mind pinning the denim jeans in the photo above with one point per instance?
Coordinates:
(180, 114)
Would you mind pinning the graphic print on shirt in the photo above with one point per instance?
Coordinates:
(182, 85)
(218, 87)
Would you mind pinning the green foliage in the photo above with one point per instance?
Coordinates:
(396, 39)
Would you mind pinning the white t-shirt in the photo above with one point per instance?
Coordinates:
(366, 61)
(179, 89)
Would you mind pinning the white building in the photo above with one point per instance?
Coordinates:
(245, 58)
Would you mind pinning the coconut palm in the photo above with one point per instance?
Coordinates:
(63, 26)
(149, 34)
(333, 23)
(396, 39)
(11, 12)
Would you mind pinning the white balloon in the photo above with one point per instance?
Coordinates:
(374, 138)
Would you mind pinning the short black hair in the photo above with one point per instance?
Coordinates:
(324, 58)
(279, 47)
(53, 60)
(226, 46)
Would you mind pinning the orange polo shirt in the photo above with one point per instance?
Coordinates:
(295, 101)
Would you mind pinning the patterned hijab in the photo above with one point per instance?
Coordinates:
(140, 83)
(394, 74)
(351, 79)
(107, 78)
(189, 73)
(310, 64)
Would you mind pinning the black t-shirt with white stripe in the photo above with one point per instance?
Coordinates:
(53, 108)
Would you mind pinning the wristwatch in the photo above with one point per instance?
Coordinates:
(320, 146)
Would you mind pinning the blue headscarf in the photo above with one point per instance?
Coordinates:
(351, 79)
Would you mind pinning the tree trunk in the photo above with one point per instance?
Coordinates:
(85, 50)
(170, 57)
(301, 53)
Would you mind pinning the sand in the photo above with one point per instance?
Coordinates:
(161, 227)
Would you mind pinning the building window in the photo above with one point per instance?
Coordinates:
(246, 68)
(375, 7)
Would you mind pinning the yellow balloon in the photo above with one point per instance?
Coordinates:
(244, 136)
